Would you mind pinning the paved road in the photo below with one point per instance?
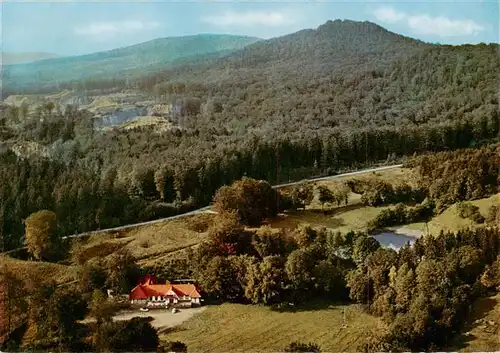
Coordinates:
(207, 208)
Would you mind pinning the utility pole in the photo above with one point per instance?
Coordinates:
(344, 325)
(277, 172)
(366, 147)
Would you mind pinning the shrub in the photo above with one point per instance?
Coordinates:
(302, 347)
(174, 346)
(493, 215)
(470, 211)
(402, 214)
(136, 334)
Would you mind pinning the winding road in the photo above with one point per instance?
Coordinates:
(207, 208)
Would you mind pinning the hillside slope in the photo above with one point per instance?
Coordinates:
(341, 46)
(344, 73)
(333, 45)
(157, 53)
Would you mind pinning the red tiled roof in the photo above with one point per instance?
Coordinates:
(144, 291)
(148, 279)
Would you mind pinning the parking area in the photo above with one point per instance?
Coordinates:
(163, 318)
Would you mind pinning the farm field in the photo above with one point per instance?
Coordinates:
(251, 328)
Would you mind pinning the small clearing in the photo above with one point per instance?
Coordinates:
(343, 219)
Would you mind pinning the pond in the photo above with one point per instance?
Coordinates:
(396, 239)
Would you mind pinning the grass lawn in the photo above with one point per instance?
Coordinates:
(252, 328)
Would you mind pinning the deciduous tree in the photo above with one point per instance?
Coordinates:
(41, 234)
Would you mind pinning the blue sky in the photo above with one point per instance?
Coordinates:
(71, 27)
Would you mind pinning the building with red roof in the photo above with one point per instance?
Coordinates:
(150, 294)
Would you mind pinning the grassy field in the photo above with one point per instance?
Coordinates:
(393, 176)
(251, 328)
(148, 243)
(483, 337)
(342, 219)
(353, 216)
(451, 221)
(42, 271)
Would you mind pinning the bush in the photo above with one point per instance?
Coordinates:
(302, 347)
(83, 255)
(401, 214)
(174, 346)
(493, 215)
(136, 334)
(470, 211)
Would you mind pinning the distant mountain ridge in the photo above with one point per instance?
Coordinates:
(25, 57)
(157, 53)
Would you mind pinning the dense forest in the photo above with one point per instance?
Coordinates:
(384, 98)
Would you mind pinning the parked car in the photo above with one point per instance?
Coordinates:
(144, 309)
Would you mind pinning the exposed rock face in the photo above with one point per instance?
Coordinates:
(160, 110)
(30, 148)
(75, 101)
(119, 116)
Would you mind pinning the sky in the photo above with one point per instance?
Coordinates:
(68, 27)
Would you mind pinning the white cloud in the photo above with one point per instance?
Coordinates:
(107, 29)
(388, 15)
(443, 26)
(427, 25)
(251, 18)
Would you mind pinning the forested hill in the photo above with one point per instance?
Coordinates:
(344, 47)
(363, 76)
(334, 45)
(152, 55)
